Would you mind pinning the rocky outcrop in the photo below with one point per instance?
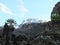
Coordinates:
(56, 8)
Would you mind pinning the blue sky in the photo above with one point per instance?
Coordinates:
(21, 10)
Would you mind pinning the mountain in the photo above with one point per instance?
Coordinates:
(32, 29)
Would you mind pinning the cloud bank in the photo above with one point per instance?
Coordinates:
(22, 8)
(5, 9)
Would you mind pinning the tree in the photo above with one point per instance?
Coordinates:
(11, 22)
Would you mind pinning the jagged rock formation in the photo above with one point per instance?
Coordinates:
(55, 15)
(7, 34)
(56, 8)
(35, 32)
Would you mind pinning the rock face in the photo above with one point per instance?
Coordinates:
(6, 35)
(56, 8)
(55, 14)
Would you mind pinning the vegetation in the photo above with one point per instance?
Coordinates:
(11, 22)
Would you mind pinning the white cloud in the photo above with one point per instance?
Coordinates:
(5, 9)
(22, 8)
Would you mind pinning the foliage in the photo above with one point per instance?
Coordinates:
(11, 22)
(55, 17)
